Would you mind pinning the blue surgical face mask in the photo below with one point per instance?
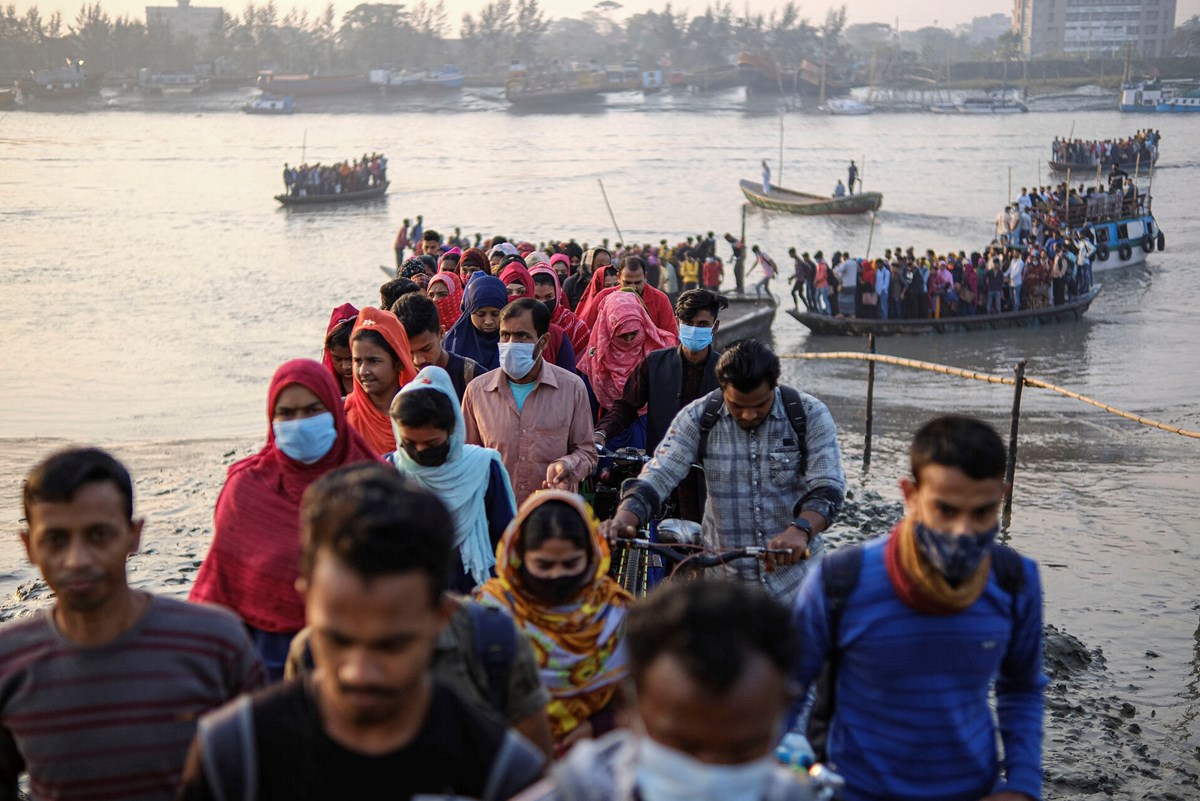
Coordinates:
(694, 337)
(308, 439)
(664, 774)
(517, 359)
(955, 556)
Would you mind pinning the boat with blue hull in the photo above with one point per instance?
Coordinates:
(1159, 97)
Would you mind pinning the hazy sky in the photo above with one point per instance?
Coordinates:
(911, 13)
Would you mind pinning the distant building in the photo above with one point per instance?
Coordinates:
(1093, 27)
(981, 29)
(185, 19)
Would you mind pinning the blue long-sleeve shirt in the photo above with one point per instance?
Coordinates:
(911, 717)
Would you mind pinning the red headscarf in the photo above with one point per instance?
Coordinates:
(374, 425)
(450, 307)
(610, 360)
(254, 558)
(340, 315)
(517, 274)
(574, 328)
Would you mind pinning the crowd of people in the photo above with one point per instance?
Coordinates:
(408, 593)
(335, 179)
(1141, 148)
(1045, 246)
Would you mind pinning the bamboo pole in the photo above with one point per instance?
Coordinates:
(1010, 468)
(870, 404)
(611, 216)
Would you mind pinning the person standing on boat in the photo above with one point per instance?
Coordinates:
(883, 287)
(852, 177)
(821, 283)
(1016, 277)
(766, 177)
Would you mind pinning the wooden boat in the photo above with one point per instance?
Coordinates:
(780, 199)
(373, 193)
(747, 316)
(549, 93)
(824, 325)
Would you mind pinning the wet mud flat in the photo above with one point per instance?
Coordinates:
(1096, 744)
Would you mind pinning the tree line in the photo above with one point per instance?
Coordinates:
(372, 35)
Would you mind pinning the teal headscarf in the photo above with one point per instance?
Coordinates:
(461, 482)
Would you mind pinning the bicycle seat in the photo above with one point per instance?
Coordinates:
(679, 532)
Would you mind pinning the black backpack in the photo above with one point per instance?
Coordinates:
(793, 406)
(839, 573)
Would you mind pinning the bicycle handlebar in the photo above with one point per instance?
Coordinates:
(678, 554)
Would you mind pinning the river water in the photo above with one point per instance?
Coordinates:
(150, 286)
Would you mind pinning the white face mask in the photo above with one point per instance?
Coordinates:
(517, 359)
(664, 774)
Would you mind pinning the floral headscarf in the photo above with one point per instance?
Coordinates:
(579, 646)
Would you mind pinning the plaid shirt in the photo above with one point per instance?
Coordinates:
(754, 482)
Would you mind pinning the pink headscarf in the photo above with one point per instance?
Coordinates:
(450, 307)
(610, 360)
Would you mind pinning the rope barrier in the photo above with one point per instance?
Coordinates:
(992, 379)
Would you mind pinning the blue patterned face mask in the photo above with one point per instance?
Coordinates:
(694, 337)
(308, 439)
(955, 556)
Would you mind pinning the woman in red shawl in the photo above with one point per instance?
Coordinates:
(446, 291)
(336, 355)
(623, 336)
(548, 290)
(382, 364)
(254, 559)
(519, 283)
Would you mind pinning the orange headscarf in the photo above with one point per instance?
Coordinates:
(580, 645)
(374, 425)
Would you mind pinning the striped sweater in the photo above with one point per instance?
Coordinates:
(911, 718)
(115, 721)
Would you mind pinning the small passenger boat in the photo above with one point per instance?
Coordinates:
(846, 107)
(780, 199)
(992, 103)
(824, 325)
(373, 193)
(270, 104)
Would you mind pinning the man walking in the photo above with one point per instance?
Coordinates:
(99, 693)
(918, 626)
(372, 718)
(535, 413)
(772, 467)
